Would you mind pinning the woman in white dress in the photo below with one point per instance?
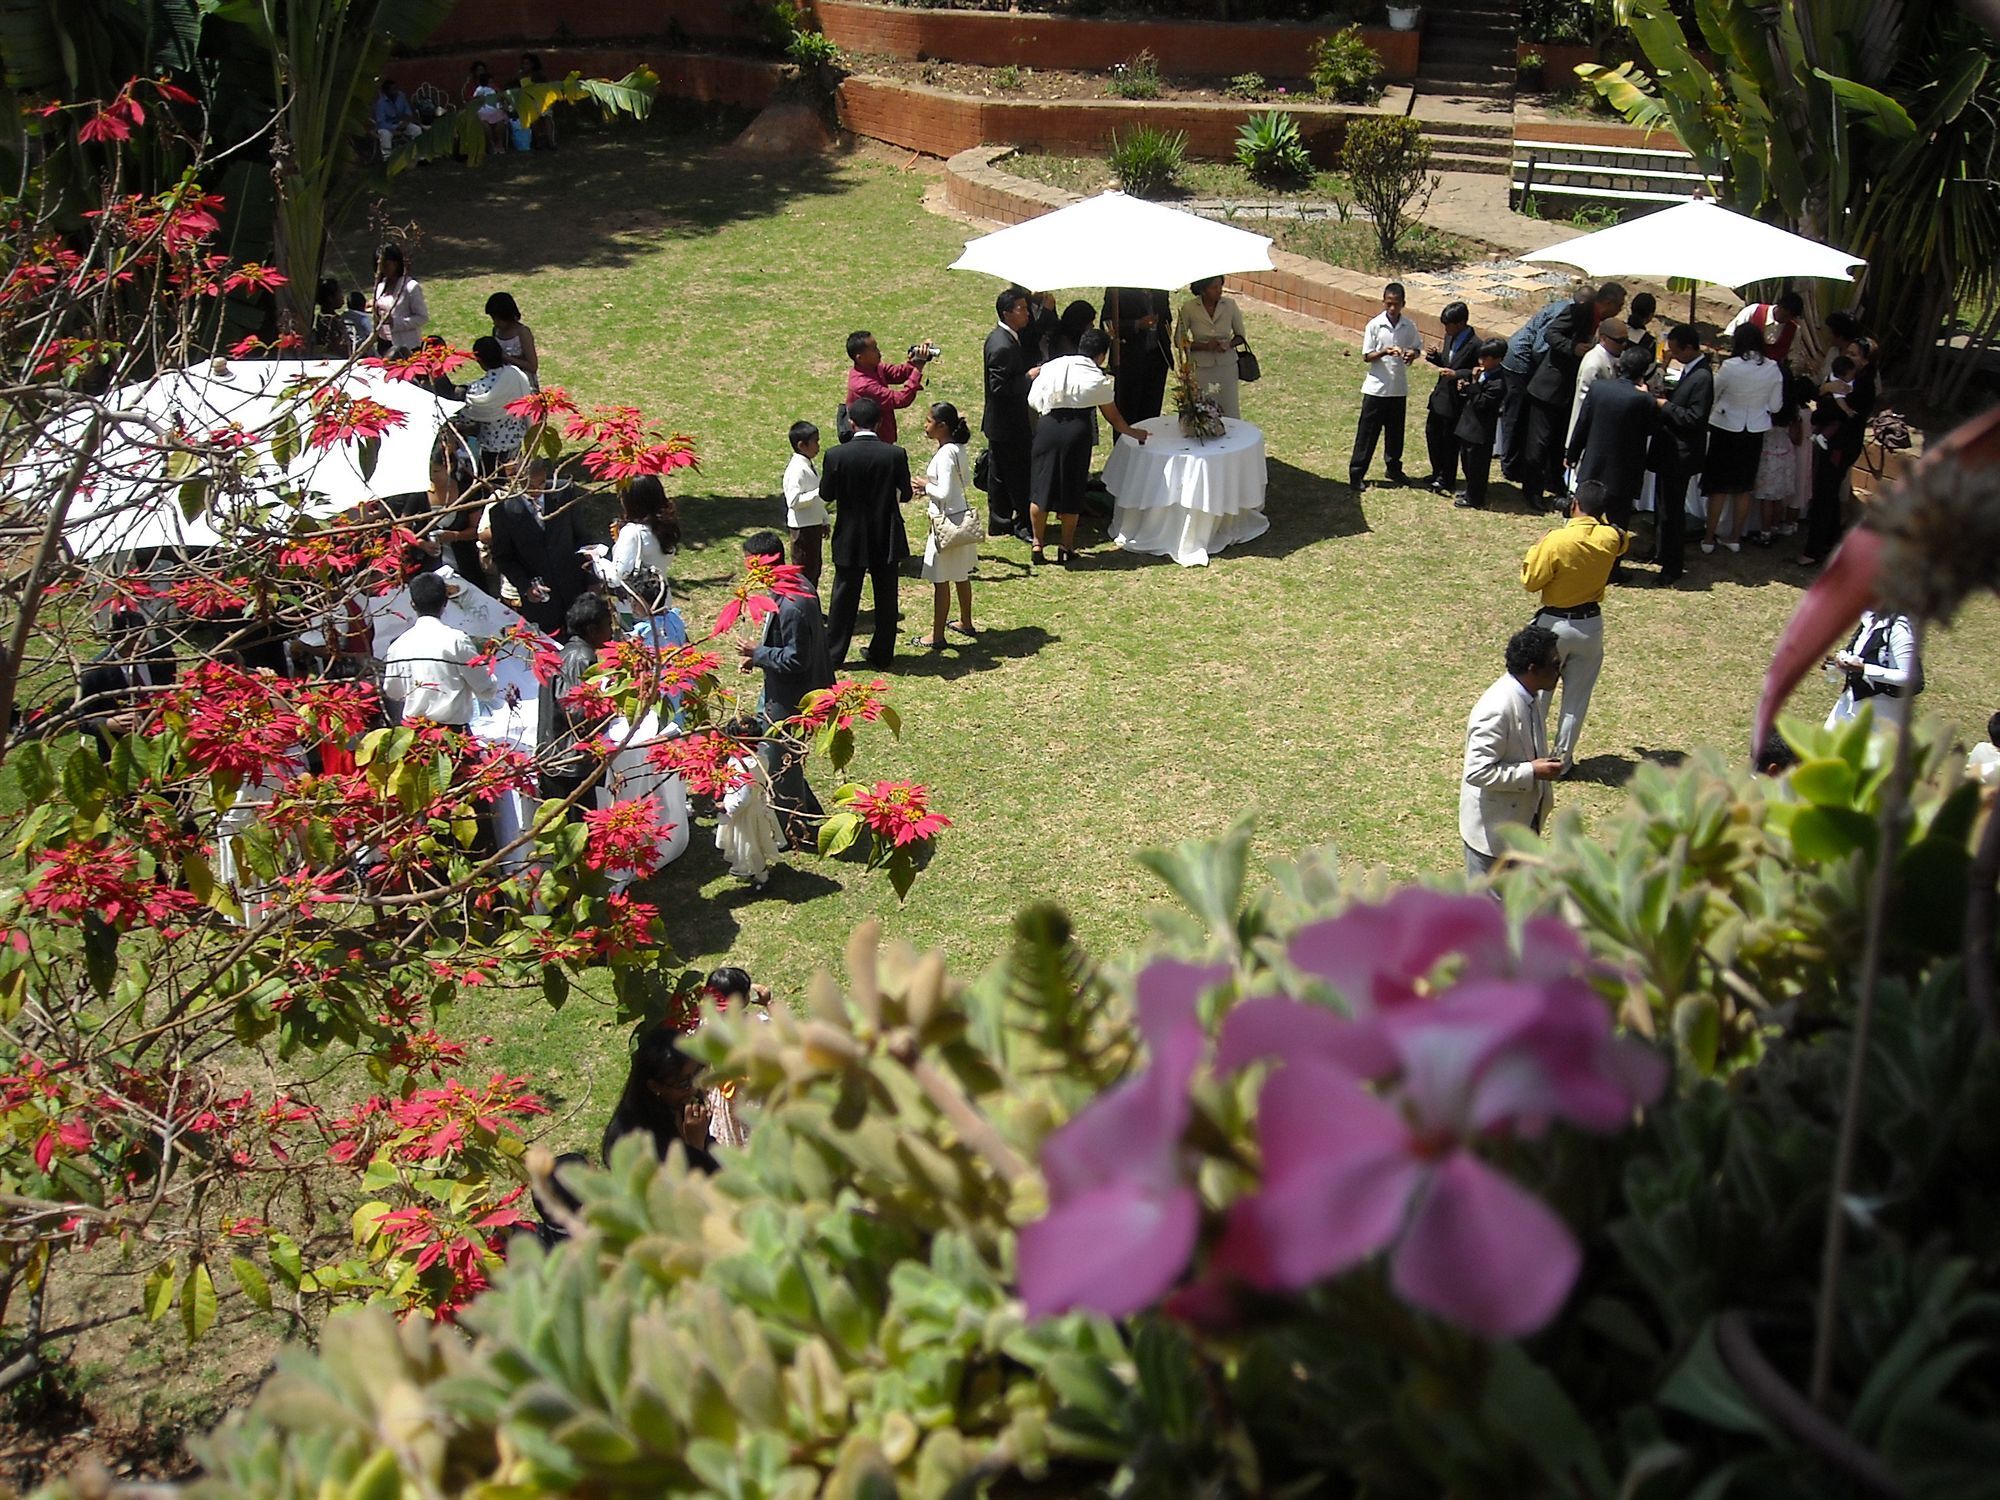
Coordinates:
(1209, 329)
(640, 558)
(945, 488)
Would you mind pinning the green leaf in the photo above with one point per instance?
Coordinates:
(286, 1261)
(85, 781)
(379, 1479)
(1524, 1399)
(160, 1291)
(368, 453)
(838, 833)
(1207, 875)
(253, 1281)
(33, 773)
(555, 985)
(197, 1301)
(902, 869)
(1698, 1030)
(1822, 835)
(1884, 114)
(193, 496)
(1825, 782)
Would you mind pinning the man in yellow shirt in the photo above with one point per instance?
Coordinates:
(1569, 568)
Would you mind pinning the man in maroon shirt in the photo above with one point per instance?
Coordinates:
(892, 386)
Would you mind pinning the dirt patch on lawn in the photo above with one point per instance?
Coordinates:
(1054, 83)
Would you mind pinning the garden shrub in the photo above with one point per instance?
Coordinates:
(1248, 86)
(1345, 68)
(1270, 149)
(1148, 161)
(1387, 162)
(1137, 79)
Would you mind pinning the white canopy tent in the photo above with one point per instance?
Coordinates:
(1703, 242)
(1113, 240)
(130, 500)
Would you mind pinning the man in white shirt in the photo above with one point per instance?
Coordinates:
(1389, 345)
(429, 668)
(1881, 669)
(1612, 337)
(1508, 767)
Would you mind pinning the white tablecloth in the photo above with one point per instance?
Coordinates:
(1182, 498)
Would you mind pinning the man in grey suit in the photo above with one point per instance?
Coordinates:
(1508, 767)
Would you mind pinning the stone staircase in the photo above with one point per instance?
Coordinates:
(1469, 146)
(1563, 177)
(1469, 50)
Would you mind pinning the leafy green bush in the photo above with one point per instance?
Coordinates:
(1137, 79)
(1270, 149)
(1009, 79)
(1387, 162)
(1248, 86)
(1148, 161)
(1345, 68)
(814, 51)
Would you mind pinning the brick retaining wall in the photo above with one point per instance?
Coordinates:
(994, 39)
(542, 25)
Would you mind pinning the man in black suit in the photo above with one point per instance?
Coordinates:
(1614, 433)
(795, 661)
(1681, 447)
(1140, 321)
(1455, 359)
(867, 482)
(1482, 396)
(1552, 386)
(112, 689)
(565, 731)
(1009, 433)
(535, 539)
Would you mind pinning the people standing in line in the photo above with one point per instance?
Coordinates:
(1508, 767)
(946, 487)
(486, 401)
(1140, 321)
(1569, 336)
(805, 512)
(1524, 348)
(640, 567)
(1749, 391)
(394, 118)
(516, 339)
(567, 725)
(867, 482)
(1005, 419)
(1681, 448)
(1068, 392)
(1777, 323)
(400, 309)
(795, 661)
(1390, 344)
(1570, 568)
(891, 386)
(1455, 357)
(1832, 461)
(1880, 668)
(536, 538)
(1209, 327)
(1614, 433)
(1484, 395)
(1599, 363)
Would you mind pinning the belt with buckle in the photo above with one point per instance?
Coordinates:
(1580, 612)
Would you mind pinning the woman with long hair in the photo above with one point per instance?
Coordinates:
(1749, 391)
(400, 309)
(648, 538)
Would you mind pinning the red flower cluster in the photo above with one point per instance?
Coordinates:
(237, 722)
(710, 763)
(622, 926)
(633, 666)
(102, 878)
(334, 711)
(201, 598)
(254, 276)
(252, 347)
(622, 446)
(843, 705)
(540, 407)
(429, 362)
(626, 836)
(431, 1123)
(764, 582)
(341, 418)
(898, 811)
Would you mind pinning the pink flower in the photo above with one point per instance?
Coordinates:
(1122, 1217)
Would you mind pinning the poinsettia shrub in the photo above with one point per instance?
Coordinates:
(1337, 1189)
(237, 909)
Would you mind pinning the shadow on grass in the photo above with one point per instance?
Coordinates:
(989, 649)
(1303, 508)
(608, 195)
(705, 922)
(1616, 770)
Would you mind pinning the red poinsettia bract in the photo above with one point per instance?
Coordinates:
(764, 582)
(899, 811)
(626, 837)
(341, 418)
(88, 876)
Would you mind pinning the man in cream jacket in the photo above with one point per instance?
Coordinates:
(1508, 768)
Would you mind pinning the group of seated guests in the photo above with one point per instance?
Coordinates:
(395, 118)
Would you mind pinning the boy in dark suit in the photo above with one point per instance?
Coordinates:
(1455, 358)
(1482, 392)
(867, 482)
(794, 659)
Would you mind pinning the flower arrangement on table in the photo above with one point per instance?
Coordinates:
(1195, 404)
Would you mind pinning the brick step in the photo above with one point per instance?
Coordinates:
(1456, 88)
(1455, 161)
(1504, 30)
(1499, 44)
(1677, 184)
(1469, 129)
(1577, 195)
(1587, 159)
(1493, 148)
(1469, 72)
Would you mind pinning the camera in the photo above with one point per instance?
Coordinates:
(925, 350)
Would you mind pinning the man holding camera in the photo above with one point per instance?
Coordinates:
(890, 387)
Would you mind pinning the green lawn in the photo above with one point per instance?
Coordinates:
(1317, 679)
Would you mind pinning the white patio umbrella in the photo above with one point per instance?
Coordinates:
(130, 501)
(1113, 240)
(1703, 242)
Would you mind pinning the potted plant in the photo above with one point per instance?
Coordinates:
(1528, 72)
(1405, 17)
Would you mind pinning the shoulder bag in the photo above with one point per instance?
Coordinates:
(1247, 369)
(966, 525)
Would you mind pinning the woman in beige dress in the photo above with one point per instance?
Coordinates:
(1210, 329)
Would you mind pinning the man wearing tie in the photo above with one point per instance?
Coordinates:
(1009, 429)
(867, 482)
(1682, 445)
(1455, 359)
(1614, 431)
(1507, 765)
(535, 545)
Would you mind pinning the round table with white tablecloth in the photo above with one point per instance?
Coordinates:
(1185, 497)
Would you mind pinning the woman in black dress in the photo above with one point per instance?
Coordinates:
(1066, 393)
(1844, 440)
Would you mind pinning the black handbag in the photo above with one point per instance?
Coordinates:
(1247, 369)
(982, 472)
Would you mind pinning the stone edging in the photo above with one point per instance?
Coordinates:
(1343, 299)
